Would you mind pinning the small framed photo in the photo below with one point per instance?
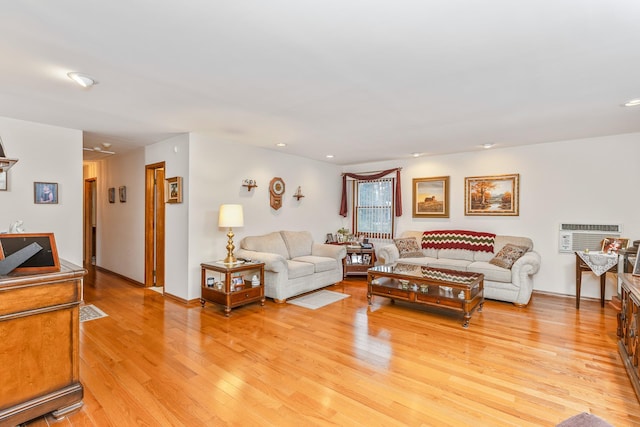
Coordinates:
(237, 283)
(3, 181)
(492, 195)
(330, 238)
(122, 192)
(112, 194)
(45, 193)
(431, 197)
(613, 244)
(636, 265)
(174, 190)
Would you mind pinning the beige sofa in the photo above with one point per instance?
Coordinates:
(513, 284)
(294, 264)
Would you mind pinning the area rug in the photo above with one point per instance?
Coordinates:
(317, 299)
(91, 312)
(584, 420)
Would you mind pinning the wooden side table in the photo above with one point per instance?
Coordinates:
(358, 261)
(234, 286)
(581, 266)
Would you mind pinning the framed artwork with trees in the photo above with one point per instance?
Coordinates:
(492, 195)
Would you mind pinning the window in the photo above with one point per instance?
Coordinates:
(374, 208)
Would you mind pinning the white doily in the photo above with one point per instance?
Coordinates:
(599, 269)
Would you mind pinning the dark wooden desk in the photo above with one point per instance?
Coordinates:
(581, 267)
(40, 357)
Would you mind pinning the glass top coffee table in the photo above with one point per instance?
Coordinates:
(458, 290)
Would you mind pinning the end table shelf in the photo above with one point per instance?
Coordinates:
(234, 286)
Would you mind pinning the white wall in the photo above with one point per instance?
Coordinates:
(217, 169)
(45, 154)
(120, 230)
(175, 153)
(582, 181)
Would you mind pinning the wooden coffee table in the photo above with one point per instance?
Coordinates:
(457, 290)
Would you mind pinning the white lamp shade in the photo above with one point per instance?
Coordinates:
(231, 216)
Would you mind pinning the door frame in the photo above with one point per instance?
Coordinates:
(154, 225)
(87, 223)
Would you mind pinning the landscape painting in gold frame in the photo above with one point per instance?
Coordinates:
(431, 197)
(492, 195)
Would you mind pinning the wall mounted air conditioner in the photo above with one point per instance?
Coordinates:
(578, 237)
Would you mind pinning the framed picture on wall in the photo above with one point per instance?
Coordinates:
(3, 181)
(122, 191)
(45, 193)
(112, 194)
(431, 197)
(492, 195)
(174, 190)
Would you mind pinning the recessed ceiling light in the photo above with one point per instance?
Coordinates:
(281, 144)
(487, 145)
(82, 79)
(329, 156)
(632, 102)
(415, 154)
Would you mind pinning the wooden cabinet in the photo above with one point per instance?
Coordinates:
(628, 323)
(358, 261)
(231, 285)
(39, 355)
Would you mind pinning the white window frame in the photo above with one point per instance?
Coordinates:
(388, 207)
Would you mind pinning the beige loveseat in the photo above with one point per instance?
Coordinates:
(294, 264)
(514, 284)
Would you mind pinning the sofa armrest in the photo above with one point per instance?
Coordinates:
(528, 263)
(388, 254)
(272, 262)
(330, 251)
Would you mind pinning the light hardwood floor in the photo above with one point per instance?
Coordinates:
(156, 362)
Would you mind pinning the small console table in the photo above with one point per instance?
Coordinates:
(582, 266)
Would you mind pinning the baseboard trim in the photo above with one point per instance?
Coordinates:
(125, 278)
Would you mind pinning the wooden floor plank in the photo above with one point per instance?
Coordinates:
(155, 361)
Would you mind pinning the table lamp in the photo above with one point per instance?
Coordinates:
(230, 216)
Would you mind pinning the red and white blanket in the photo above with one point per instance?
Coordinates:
(458, 239)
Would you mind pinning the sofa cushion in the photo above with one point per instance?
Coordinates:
(501, 241)
(490, 271)
(271, 242)
(320, 263)
(450, 264)
(464, 254)
(408, 247)
(298, 243)
(299, 269)
(508, 255)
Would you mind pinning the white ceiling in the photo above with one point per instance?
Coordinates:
(364, 80)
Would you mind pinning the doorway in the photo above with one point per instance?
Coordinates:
(154, 225)
(89, 222)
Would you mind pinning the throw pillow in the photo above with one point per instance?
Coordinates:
(408, 247)
(508, 255)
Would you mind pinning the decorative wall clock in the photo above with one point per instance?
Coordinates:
(276, 190)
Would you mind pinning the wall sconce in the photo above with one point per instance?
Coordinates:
(230, 216)
(5, 163)
(298, 194)
(249, 183)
